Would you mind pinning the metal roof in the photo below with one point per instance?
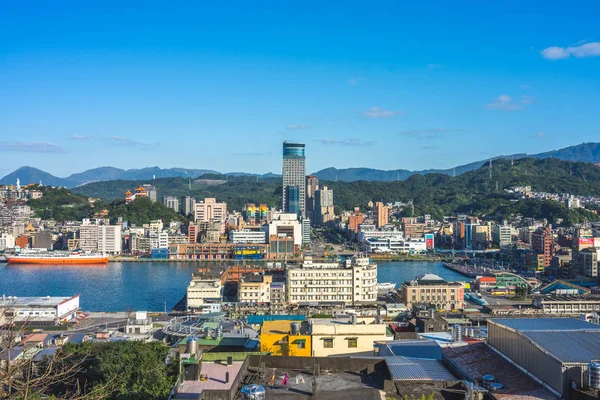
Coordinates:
(429, 349)
(546, 324)
(403, 369)
(569, 347)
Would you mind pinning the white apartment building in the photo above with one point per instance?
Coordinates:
(172, 202)
(88, 237)
(335, 337)
(248, 236)
(7, 242)
(159, 240)
(210, 211)
(352, 282)
(287, 224)
(395, 245)
(100, 238)
(109, 239)
(203, 291)
(255, 289)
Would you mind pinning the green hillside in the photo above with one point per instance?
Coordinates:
(436, 194)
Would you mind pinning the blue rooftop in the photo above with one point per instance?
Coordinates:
(428, 349)
(546, 324)
(404, 369)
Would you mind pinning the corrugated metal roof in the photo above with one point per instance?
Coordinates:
(403, 369)
(569, 347)
(547, 324)
(412, 348)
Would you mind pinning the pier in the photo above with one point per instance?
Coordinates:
(470, 271)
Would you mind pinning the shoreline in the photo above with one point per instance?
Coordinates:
(375, 258)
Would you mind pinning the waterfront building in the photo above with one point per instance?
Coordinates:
(323, 207)
(354, 281)
(368, 231)
(171, 202)
(7, 241)
(255, 289)
(203, 291)
(140, 325)
(333, 337)
(381, 215)
(431, 289)
(412, 228)
(294, 175)
(254, 215)
(395, 245)
(159, 240)
(210, 251)
(210, 210)
(573, 304)
(88, 237)
(248, 236)
(38, 310)
(188, 205)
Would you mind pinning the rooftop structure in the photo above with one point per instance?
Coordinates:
(39, 310)
(555, 350)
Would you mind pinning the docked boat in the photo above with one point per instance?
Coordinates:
(76, 257)
(386, 286)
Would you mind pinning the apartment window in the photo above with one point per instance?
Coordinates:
(328, 343)
(352, 343)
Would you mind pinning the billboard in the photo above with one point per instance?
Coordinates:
(429, 243)
(588, 241)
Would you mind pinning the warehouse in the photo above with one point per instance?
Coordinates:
(556, 351)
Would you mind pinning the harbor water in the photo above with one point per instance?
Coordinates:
(148, 286)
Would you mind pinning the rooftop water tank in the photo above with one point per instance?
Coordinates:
(457, 333)
(253, 392)
(594, 374)
(295, 328)
(192, 345)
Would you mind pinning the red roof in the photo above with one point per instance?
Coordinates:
(487, 279)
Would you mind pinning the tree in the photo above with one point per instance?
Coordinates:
(129, 370)
(24, 378)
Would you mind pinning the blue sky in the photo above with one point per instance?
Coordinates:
(220, 85)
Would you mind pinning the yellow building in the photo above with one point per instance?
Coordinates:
(285, 338)
(341, 337)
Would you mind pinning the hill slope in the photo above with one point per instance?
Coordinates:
(436, 194)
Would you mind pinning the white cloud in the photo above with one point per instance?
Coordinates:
(527, 99)
(347, 142)
(503, 102)
(377, 112)
(579, 51)
(31, 147)
(540, 134)
(297, 126)
(81, 137)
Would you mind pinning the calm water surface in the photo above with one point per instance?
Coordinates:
(147, 286)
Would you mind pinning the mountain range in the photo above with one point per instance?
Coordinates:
(585, 152)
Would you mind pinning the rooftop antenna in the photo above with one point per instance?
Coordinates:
(153, 177)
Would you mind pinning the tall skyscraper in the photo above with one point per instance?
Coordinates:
(294, 174)
(312, 184)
